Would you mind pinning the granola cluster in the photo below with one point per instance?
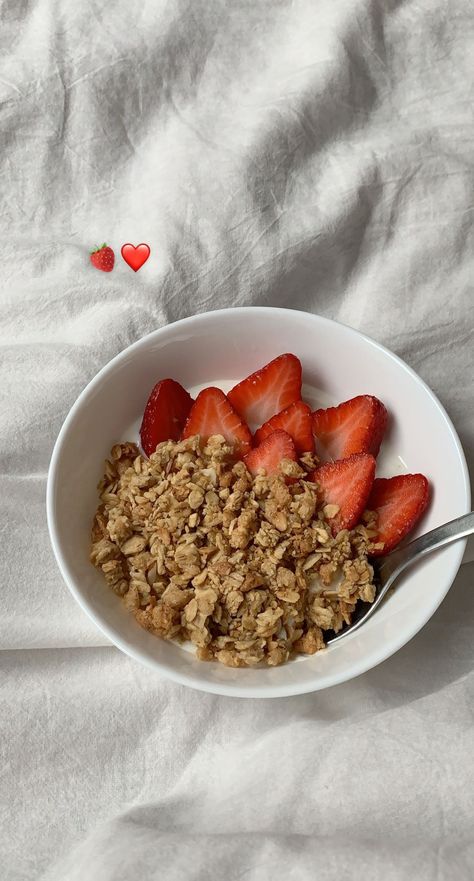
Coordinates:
(244, 567)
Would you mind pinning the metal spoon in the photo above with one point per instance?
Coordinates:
(387, 569)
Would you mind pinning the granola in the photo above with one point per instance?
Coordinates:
(246, 568)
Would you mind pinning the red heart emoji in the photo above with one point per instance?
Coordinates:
(135, 256)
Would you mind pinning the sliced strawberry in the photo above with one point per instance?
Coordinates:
(355, 426)
(346, 483)
(268, 455)
(268, 390)
(399, 502)
(165, 414)
(296, 421)
(213, 414)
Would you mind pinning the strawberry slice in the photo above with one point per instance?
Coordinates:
(399, 502)
(165, 414)
(268, 390)
(296, 421)
(346, 483)
(276, 446)
(355, 426)
(211, 414)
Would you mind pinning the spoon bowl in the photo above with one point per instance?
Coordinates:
(389, 568)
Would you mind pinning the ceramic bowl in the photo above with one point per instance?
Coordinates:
(219, 348)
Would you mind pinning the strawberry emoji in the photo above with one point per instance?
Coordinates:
(399, 503)
(355, 426)
(211, 414)
(347, 484)
(165, 414)
(268, 391)
(296, 420)
(276, 446)
(103, 258)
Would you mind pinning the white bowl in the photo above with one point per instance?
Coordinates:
(218, 348)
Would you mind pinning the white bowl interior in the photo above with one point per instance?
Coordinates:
(219, 348)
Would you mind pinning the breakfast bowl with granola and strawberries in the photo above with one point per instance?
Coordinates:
(219, 492)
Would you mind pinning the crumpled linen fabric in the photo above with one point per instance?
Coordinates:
(316, 155)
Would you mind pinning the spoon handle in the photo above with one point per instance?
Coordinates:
(430, 541)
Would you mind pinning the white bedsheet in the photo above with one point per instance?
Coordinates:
(315, 155)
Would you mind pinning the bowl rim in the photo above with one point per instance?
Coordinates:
(231, 690)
